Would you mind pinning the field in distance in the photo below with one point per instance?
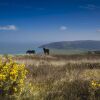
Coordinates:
(66, 52)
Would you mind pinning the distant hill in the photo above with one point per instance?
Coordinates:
(74, 45)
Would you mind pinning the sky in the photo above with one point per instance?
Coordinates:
(49, 20)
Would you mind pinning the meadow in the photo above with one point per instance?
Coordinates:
(60, 77)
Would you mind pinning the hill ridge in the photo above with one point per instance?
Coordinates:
(77, 44)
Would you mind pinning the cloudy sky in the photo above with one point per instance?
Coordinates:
(49, 20)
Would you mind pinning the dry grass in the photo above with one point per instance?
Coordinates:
(60, 77)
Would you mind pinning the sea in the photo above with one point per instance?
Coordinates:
(19, 48)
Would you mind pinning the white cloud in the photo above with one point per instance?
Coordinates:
(63, 28)
(8, 27)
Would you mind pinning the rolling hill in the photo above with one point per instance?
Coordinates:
(74, 45)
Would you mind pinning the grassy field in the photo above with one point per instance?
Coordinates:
(66, 51)
(61, 77)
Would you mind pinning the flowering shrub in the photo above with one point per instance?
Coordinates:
(12, 77)
(95, 89)
(95, 84)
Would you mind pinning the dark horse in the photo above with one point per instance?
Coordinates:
(46, 51)
(30, 52)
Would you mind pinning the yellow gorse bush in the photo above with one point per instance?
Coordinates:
(12, 77)
(95, 84)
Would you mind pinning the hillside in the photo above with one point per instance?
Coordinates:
(76, 45)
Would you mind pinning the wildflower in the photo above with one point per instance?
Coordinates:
(2, 77)
(21, 81)
(13, 75)
(15, 89)
(95, 84)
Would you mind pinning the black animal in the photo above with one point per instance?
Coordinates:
(30, 52)
(46, 51)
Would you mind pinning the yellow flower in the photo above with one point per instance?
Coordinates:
(2, 77)
(12, 74)
(21, 81)
(95, 84)
(15, 89)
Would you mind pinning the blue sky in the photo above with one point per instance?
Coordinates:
(49, 20)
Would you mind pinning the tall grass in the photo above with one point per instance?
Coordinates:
(59, 77)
